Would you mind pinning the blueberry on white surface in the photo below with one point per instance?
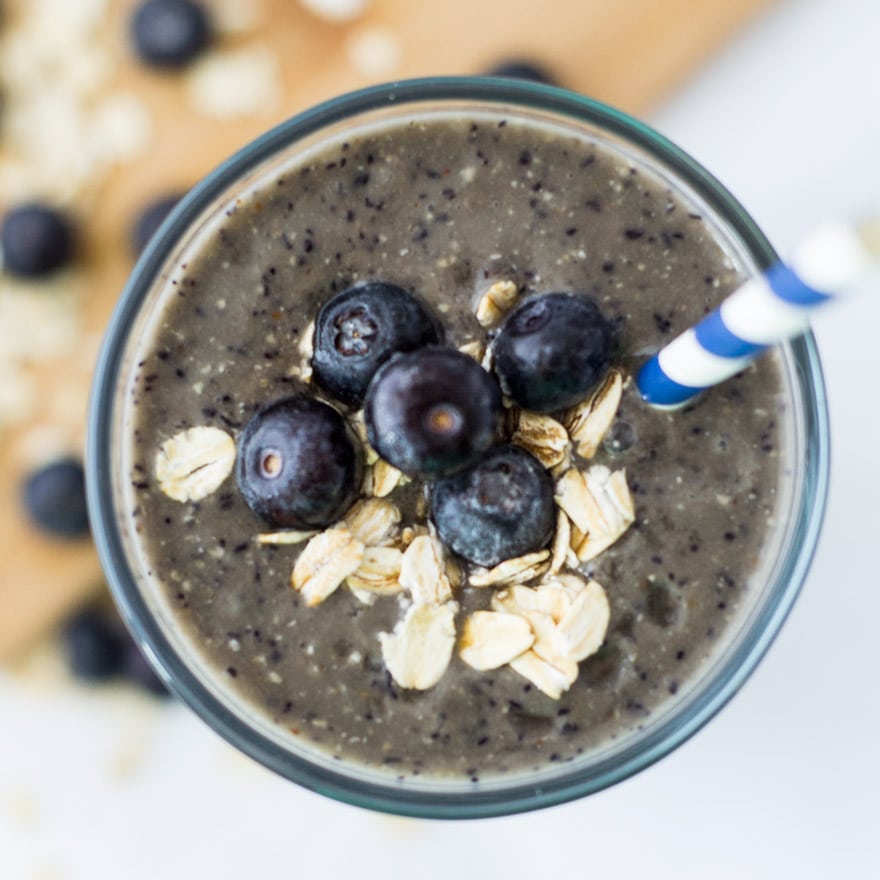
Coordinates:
(94, 646)
(137, 670)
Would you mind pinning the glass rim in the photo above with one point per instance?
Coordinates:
(498, 800)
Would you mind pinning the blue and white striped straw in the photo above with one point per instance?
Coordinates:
(766, 310)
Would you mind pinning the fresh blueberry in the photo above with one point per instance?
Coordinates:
(432, 412)
(520, 68)
(499, 509)
(169, 33)
(137, 670)
(551, 350)
(94, 645)
(359, 329)
(298, 465)
(36, 240)
(150, 219)
(55, 498)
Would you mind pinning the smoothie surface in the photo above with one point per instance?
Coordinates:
(444, 206)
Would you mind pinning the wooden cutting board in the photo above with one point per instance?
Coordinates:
(626, 54)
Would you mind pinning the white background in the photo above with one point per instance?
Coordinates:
(784, 783)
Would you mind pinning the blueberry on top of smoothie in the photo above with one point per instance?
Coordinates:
(169, 33)
(54, 497)
(432, 412)
(360, 328)
(499, 509)
(36, 239)
(298, 465)
(551, 350)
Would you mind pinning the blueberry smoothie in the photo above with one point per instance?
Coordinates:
(348, 574)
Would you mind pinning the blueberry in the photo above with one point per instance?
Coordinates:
(499, 509)
(432, 412)
(551, 350)
(359, 329)
(137, 670)
(298, 464)
(169, 33)
(55, 498)
(94, 645)
(520, 68)
(36, 240)
(150, 219)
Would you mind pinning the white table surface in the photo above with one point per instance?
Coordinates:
(783, 783)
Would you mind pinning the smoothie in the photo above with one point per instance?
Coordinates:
(445, 205)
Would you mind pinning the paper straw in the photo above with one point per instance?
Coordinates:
(766, 310)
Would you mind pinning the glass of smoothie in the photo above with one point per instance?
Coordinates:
(372, 652)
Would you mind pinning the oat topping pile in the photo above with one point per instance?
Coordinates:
(543, 616)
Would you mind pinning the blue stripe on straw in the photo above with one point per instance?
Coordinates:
(713, 335)
(789, 286)
(659, 390)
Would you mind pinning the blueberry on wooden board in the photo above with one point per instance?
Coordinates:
(94, 645)
(150, 219)
(551, 350)
(169, 33)
(432, 412)
(36, 239)
(54, 497)
(298, 464)
(520, 68)
(98, 648)
(137, 670)
(360, 328)
(499, 509)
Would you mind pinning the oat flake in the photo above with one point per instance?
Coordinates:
(194, 463)
(420, 648)
(325, 562)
